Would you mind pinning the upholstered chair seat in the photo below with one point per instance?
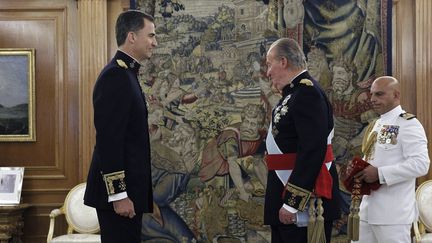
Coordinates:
(423, 227)
(82, 220)
(88, 238)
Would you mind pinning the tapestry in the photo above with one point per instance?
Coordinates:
(210, 102)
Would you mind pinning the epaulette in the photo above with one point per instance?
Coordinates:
(114, 182)
(306, 82)
(122, 64)
(407, 116)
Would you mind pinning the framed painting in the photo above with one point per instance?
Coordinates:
(17, 95)
(11, 180)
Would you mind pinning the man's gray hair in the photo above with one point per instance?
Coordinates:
(291, 50)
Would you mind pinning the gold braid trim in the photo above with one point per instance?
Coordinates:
(369, 141)
(407, 116)
(114, 182)
(296, 197)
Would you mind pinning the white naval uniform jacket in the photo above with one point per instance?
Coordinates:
(401, 155)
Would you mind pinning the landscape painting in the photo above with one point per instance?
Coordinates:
(17, 95)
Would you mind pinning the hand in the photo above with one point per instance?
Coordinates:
(369, 174)
(286, 217)
(124, 207)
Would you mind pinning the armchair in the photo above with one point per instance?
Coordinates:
(423, 227)
(79, 217)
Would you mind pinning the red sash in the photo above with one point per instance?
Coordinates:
(324, 181)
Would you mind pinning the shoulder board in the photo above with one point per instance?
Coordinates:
(121, 63)
(306, 82)
(407, 116)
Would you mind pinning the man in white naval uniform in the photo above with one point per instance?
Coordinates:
(400, 155)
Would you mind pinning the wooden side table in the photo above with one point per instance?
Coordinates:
(12, 222)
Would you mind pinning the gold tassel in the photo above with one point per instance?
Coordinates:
(354, 218)
(350, 217)
(368, 146)
(319, 232)
(356, 225)
(369, 141)
(311, 223)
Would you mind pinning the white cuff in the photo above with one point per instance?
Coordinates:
(118, 196)
(290, 209)
(381, 177)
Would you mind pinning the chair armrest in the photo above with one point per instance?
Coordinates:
(419, 230)
(54, 213)
(417, 235)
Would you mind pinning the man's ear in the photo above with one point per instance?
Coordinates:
(397, 94)
(284, 62)
(130, 37)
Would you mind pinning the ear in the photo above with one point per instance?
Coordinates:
(284, 62)
(397, 94)
(130, 37)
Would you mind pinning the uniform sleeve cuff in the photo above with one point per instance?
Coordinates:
(290, 209)
(114, 182)
(381, 177)
(118, 196)
(296, 197)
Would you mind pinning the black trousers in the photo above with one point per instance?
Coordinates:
(118, 229)
(293, 234)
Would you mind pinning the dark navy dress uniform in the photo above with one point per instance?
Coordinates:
(302, 129)
(121, 157)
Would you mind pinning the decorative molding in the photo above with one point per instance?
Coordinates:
(423, 44)
(93, 57)
(403, 52)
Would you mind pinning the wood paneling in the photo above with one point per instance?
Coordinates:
(93, 57)
(412, 61)
(97, 46)
(51, 162)
(404, 51)
(423, 60)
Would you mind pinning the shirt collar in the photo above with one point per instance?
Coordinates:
(130, 61)
(129, 56)
(300, 73)
(392, 113)
(293, 82)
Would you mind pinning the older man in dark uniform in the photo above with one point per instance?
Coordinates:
(119, 181)
(299, 150)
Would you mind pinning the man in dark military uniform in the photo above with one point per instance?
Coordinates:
(119, 181)
(299, 149)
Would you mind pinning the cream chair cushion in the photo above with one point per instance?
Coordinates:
(424, 203)
(71, 238)
(80, 218)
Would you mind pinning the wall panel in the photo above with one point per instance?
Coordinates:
(51, 162)
(423, 52)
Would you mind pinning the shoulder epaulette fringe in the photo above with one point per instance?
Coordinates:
(407, 116)
(306, 82)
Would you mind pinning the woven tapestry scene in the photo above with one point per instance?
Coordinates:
(210, 104)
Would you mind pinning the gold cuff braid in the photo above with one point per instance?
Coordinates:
(296, 197)
(114, 182)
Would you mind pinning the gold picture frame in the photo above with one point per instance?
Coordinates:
(11, 181)
(17, 95)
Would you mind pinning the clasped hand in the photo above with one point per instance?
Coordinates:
(286, 217)
(368, 175)
(124, 207)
